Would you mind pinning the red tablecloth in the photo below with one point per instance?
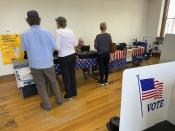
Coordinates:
(117, 55)
(138, 51)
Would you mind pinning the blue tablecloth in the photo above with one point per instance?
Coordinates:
(80, 64)
(85, 63)
(117, 63)
(92, 62)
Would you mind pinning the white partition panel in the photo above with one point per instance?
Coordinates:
(146, 94)
(168, 49)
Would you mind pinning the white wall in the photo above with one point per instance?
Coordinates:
(154, 17)
(126, 19)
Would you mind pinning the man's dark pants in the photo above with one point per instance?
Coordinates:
(41, 76)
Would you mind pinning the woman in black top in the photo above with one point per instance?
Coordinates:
(102, 45)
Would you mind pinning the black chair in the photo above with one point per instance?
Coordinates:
(145, 57)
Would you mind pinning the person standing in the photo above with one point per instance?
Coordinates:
(66, 42)
(39, 45)
(102, 44)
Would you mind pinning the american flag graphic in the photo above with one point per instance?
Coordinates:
(151, 89)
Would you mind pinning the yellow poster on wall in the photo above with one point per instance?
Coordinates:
(10, 45)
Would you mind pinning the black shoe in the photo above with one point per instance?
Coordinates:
(67, 97)
(101, 83)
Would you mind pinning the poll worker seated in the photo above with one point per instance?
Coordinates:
(81, 44)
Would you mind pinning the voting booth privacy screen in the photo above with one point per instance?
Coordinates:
(148, 96)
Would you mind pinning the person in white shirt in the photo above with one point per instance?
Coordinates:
(66, 43)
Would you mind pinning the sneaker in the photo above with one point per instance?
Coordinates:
(101, 83)
(106, 83)
(68, 99)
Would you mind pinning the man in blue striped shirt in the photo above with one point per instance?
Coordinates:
(39, 45)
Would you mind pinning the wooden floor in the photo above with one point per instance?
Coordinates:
(89, 111)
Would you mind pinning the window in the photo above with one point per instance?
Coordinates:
(170, 20)
(168, 23)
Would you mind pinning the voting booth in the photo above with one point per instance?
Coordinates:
(148, 97)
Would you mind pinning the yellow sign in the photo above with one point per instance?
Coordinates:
(10, 45)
